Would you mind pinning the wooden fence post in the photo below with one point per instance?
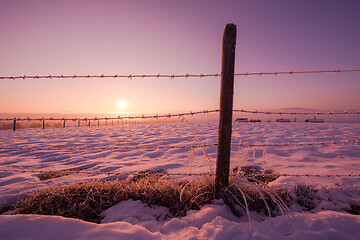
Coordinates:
(14, 124)
(64, 124)
(226, 108)
(43, 123)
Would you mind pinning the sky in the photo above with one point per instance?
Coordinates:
(49, 37)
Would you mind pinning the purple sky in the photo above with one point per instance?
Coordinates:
(175, 37)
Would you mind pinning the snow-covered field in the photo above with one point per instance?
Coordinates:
(134, 220)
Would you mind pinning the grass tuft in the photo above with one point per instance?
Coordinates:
(306, 197)
(87, 200)
(57, 174)
(256, 172)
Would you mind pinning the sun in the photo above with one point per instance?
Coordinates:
(122, 105)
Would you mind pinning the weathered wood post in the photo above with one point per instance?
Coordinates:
(226, 108)
(79, 122)
(64, 124)
(89, 123)
(43, 123)
(14, 124)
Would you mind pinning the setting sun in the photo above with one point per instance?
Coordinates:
(121, 105)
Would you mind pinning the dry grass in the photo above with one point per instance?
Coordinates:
(266, 204)
(244, 194)
(257, 173)
(87, 200)
(57, 174)
(306, 197)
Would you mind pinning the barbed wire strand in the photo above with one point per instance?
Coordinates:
(129, 76)
(336, 71)
(298, 113)
(112, 148)
(157, 116)
(173, 76)
(319, 143)
(77, 171)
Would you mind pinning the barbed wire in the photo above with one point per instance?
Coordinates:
(157, 116)
(162, 173)
(336, 71)
(319, 175)
(298, 113)
(110, 148)
(319, 143)
(129, 76)
(153, 147)
(173, 76)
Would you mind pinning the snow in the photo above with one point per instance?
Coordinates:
(211, 222)
(135, 220)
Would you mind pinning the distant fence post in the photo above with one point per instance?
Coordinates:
(14, 124)
(43, 123)
(226, 108)
(64, 124)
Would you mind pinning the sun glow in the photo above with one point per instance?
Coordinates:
(122, 105)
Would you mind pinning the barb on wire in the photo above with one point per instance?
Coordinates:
(172, 76)
(298, 113)
(115, 118)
